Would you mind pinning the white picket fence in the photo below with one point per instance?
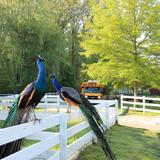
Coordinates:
(48, 140)
(48, 101)
(140, 103)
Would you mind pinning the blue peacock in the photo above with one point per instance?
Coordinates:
(73, 97)
(24, 105)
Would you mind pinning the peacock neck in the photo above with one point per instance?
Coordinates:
(56, 85)
(41, 78)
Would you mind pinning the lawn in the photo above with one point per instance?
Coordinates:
(1, 123)
(128, 144)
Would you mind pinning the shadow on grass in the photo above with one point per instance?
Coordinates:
(128, 144)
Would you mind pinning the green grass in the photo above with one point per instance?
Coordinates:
(73, 138)
(128, 144)
(1, 123)
(27, 143)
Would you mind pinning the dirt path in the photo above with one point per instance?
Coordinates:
(141, 121)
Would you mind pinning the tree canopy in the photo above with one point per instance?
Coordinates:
(29, 28)
(126, 37)
(120, 41)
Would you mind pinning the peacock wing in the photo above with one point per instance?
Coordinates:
(17, 115)
(71, 94)
(25, 94)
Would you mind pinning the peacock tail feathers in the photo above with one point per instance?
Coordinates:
(91, 112)
(96, 124)
(12, 114)
(17, 115)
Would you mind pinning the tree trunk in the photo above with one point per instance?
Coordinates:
(73, 56)
(136, 88)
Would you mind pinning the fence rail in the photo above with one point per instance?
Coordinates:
(144, 104)
(48, 140)
(48, 101)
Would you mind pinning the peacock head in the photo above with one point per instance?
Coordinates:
(40, 58)
(56, 83)
(53, 75)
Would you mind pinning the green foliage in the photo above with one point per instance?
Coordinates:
(1, 123)
(125, 35)
(44, 27)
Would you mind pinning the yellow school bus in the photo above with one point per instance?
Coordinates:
(92, 90)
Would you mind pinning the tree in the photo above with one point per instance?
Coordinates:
(45, 27)
(70, 17)
(28, 28)
(125, 36)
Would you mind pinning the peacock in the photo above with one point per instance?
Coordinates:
(74, 98)
(126, 110)
(23, 106)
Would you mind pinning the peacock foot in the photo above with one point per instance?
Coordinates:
(35, 120)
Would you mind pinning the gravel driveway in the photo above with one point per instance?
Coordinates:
(141, 121)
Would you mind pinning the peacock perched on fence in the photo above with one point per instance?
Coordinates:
(74, 98)
(23, 106)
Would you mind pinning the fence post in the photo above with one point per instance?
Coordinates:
(143, 104)
(63, 136)
(45, 102)
(58, 104)
(116, 110)
(68, 108)
(107, 123)
(121, 102)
